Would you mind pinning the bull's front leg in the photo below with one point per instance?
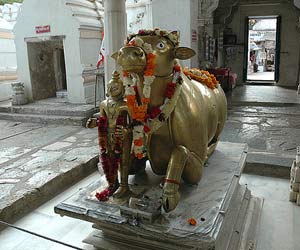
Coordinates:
(185, 164)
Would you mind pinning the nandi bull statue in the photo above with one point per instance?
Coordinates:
(176, 115)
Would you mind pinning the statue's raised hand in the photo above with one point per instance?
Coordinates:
(91, 123)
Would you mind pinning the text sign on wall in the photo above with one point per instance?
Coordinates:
(42, 29)
(194, 36)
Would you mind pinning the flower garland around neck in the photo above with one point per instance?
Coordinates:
(141, 114)
(110, 155)
(202, 76)
(138, 112)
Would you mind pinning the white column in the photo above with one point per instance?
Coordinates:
(115, 31)
(149, 15)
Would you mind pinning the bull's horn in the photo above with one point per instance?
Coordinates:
(184, 53)
(115, 55)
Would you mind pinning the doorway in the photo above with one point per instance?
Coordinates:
(263, 46)
(47, 68)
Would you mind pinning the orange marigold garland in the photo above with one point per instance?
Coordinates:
(142, 117)
(141, 114)
(138, 112)
(192, 221)
(202, 76)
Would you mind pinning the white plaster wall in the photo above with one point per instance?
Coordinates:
(178, 15)
(89, 50)
(139, 15)
(5, 90)
(8, 60)
(74, 68)
(62, 25)
(290, 37)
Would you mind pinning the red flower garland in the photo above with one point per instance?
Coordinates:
(170, 90)
(110, 162)
(154, 111)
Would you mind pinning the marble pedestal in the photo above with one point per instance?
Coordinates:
(226, 213)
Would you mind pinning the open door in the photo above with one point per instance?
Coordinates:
(262, 49)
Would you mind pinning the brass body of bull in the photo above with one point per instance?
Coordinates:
(179, 148)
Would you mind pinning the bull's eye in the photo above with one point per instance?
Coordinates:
(160, 45)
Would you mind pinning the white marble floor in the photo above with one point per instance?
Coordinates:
(279, 230)
(44, 221)
(280, 219)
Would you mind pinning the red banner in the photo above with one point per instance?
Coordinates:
(42, 29)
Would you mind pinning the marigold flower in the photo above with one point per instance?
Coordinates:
(145, 100)
(170, 90)
(148, 72)
(138, 142)
(146, 118)
(125, 73)
(192, 221)
(150, 56)
(131, 99)
(150, 67)
(176, 68)
(146, 129)
(155, 111)
(131, 43)
(139, 156)
(141, 32)
(121, 120)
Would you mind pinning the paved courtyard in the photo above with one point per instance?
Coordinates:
(39, 161)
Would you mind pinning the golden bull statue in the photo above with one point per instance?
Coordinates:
(176, 120)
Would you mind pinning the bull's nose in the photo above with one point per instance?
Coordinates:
(132, 52)
(138, 53)
(132, 59)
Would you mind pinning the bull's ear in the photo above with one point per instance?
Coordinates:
(184, 53)
(115, 55)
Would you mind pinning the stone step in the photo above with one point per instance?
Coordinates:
(45, 119)
(48, 110)
(272, 164)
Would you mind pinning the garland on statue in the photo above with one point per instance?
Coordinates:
(202, 76)
(141, 114)
(110, 158)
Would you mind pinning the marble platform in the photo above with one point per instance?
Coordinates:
(227, 214)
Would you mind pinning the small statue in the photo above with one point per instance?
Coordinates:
(114, 138)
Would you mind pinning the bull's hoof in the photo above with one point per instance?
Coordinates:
(122, 192)
(170, 201)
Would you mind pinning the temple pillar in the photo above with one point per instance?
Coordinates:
(115, 31)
